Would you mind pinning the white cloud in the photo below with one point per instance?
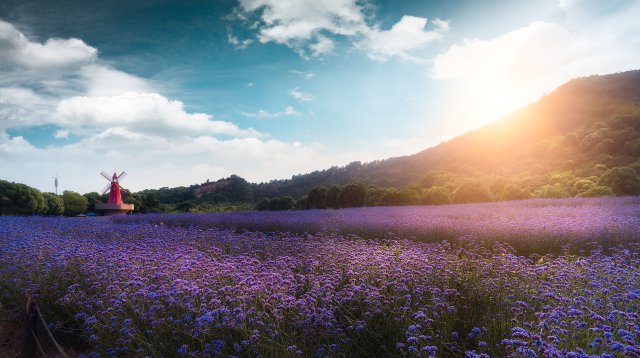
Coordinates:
(292, 21)
(307, 75)
(404, 36)
(17, 51)
(300, 95)
(262, 114)
(322, 45)
(154, 161)
(88, 97)
(14, 148)
(118, 121)
(306, 27)
(99, 80)
(492, 77)
(237, 43)
(143, 113)
(23, 107)
(61, 134)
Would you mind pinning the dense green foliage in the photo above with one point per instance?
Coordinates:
(55, 204)
(20, 199)
(74, 203)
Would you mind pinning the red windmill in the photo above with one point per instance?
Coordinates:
(114, 187)
(114, 204)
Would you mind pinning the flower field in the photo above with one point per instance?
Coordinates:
(498, 279)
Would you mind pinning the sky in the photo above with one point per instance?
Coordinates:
(179, 92)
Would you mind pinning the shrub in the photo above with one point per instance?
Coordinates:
(74, 203)
(372, 196)
(582, 185)
(597, 190)
(472, 192)
(55, 204)
(514, 192)
(436, 195)
(622, 180)
(552, 191)
(351, 196)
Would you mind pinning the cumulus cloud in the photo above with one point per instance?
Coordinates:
(306, 27)
(144, 113)
(155, 161)
(495, 76)
(61, 134)
(18, 51)
(300, 95)
(113, 118)
(406, 35)
(100, 80)
(262, 114)
(290, 22)
(23, 107)
(90, 97)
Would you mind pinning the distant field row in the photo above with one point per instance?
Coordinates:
(530, 226)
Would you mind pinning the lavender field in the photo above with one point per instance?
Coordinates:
(552, 278)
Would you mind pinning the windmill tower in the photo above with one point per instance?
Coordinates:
(114, 204)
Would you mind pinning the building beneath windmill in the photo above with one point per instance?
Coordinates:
(114, 204)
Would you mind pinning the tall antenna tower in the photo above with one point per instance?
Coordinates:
(55, 182)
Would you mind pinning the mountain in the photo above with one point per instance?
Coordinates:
(585, 126)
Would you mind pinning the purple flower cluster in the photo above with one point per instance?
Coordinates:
(142, 288)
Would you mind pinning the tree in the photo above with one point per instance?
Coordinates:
(20, 199)
(390, 197)
(302, 203)
(316, 197)
(283, 203)
(264, 204)
(372, 196)
(582, 185)
(471, 192)
(41, 202)
(55, 204)
(622, 180)
(436, 195)
(331, 197)
(596, 191)
(151, 202)
(74, 203)
(351, 196)
(514, 192)
(92, 199)
(552, 191)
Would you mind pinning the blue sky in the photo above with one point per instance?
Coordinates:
(176, 93)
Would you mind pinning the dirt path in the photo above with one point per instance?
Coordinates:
(10, 338)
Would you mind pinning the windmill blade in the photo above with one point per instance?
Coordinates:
(104, 190)
(122, 175)
(105, 175)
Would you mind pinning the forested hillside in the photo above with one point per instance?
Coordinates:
(584, 127)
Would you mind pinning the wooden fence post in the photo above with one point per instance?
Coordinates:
(30, 325)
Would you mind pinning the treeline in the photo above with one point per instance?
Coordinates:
(21, 199)
(443, 187)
